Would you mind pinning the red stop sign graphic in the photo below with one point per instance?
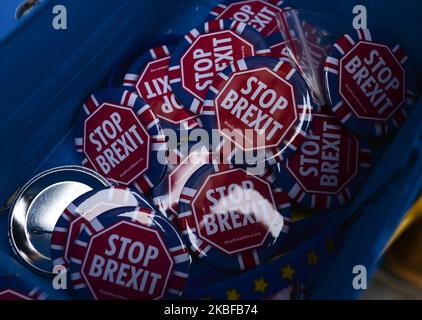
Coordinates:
(259, 14)
(127, 261)
(154, 88)
(210, 54)
(116, 143)
(372, 81)
(328, 159)
(234, 211)
(260, 105)
(11, 295)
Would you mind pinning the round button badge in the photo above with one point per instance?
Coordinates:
(121, 138)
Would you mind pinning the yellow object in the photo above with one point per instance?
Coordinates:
(312, 258)
(233, 295)
(287, 272)
(404, 255)
(412, 215)
(260, 285)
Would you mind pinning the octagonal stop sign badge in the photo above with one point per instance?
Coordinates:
(116, 143)
(208, 55)
(262, 15)
(235, 211)
(154, 87)
(256, 108)
(328, 159)
(127, 261)
(372, 81)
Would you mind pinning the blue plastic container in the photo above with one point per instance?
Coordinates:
(46, 73)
